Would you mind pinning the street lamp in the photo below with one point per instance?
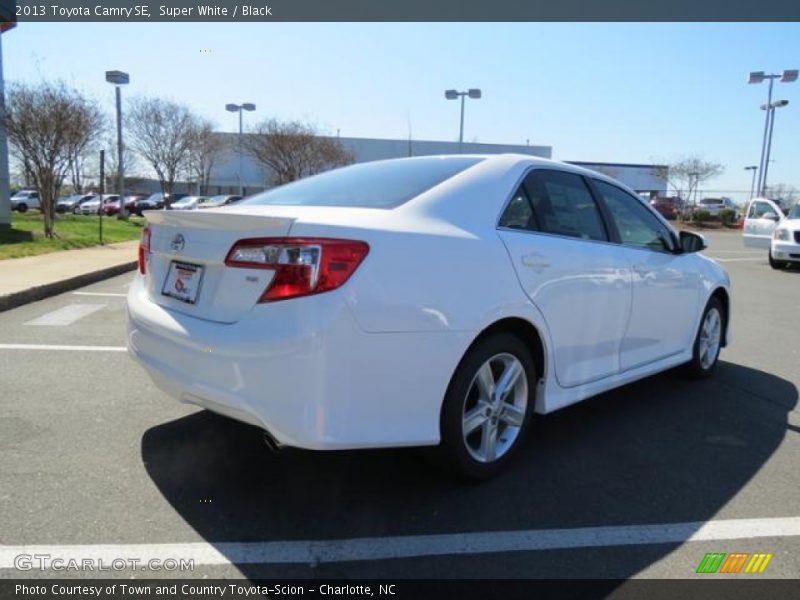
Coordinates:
(752, 168)
(473, 93)
(788, 76)
(119, 78)
(239, 108)
(770, 108)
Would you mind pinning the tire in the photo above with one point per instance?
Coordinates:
(22, 207)
(777, 264)
(708, 341)
(499, 423)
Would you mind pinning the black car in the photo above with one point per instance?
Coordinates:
(154, 202)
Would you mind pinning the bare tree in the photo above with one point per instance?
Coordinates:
(784, 192)
(131, 161)
(76, 173)
(292, 150)
(204, 151)
(161, 132)
(686, 174)
(49, 124)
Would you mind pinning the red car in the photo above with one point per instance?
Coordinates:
(110, 205)
(669, 207)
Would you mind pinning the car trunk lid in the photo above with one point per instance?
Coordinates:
(186, 268)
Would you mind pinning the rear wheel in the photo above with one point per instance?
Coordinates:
(708, 341)
(22, 207)
(777, 264)
(488, 406)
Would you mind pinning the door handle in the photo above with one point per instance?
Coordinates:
(535, 261)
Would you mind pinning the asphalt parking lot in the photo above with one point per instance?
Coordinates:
(94, 455)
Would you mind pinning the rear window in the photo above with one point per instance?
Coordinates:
(380, 184)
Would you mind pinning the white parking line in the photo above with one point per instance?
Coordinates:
(716, 258)
(66, 315)
(57, 347)
(327, 551)
(100, 294)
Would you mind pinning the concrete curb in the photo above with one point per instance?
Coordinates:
(40, 292)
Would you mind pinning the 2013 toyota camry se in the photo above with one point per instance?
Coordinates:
(431, 301)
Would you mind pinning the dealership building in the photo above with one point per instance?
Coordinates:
(649, 180)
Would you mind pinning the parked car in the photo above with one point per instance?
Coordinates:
(25, 199)
(668, 207)
(220, 200)
(97, 204)
(716, 205)
(767, 227)
(111, 206)
(130, 202)
(155, 201)
(385, 304)
(188, 203)
(70, 203)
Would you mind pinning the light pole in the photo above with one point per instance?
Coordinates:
(752, 168)
(770, 108)
(118, 78)
(239, 108)
(788, 76)
(473, 93)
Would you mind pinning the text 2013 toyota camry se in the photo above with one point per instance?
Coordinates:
(422, 301)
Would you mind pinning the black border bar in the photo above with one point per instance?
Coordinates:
(704, 588)
(404, 10)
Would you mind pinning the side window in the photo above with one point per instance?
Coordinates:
(563, 205)
(758, 210)
(518, 213)
(636, 225)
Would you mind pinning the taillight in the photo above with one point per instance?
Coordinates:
(144, 249)
(303, 266)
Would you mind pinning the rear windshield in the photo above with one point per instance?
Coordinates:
(380, 184)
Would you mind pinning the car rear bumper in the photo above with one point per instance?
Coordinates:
(301, 369)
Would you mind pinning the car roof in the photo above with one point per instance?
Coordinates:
(515, 159)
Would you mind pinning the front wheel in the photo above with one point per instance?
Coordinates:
(777, 264)
(488, 406)
(708, 341)
(22, 207)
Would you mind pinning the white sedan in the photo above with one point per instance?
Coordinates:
(421, 302)
(188, 203)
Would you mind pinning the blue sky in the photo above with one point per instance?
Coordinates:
(596, 92)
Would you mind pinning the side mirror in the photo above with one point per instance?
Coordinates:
(771, 216)
(692, 242)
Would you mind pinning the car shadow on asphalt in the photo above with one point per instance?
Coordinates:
(662, 450)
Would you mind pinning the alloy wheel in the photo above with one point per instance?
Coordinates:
(494, 408)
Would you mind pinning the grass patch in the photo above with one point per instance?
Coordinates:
(26, 237)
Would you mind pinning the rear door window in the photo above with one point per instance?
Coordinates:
(563, 205)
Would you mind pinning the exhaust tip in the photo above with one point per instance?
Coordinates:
(274, 445)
